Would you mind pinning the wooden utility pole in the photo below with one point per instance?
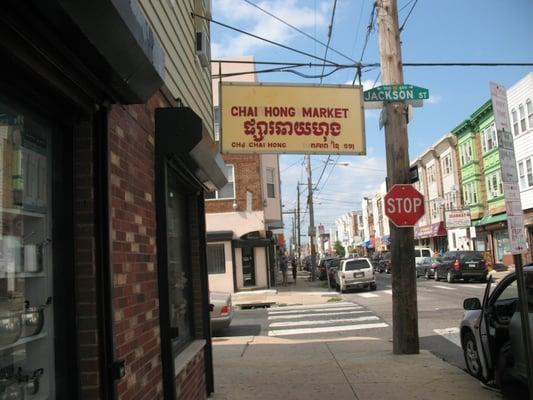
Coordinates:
(311, 218)
(298, 233)
(404, 302)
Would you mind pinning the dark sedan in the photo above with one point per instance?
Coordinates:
(426, 267)
(332, 267)
(467, 265)
(322, 269)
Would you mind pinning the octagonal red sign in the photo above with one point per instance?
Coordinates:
(404, 205)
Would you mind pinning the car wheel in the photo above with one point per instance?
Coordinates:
(483, 279)
(337, 287)
(471, 353)
(466, 280)
(373, 287)
(436, 276)
(449, 277)
(426, 275)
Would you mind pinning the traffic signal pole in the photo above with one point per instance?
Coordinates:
(404, 301)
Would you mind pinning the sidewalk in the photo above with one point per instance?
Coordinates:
(356, 367)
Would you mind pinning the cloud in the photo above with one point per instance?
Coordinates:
(251, 19)
(434, 99)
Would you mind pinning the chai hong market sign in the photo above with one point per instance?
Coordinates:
(291, 118)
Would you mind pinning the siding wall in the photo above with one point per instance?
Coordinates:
(523, 143)
(175, 29)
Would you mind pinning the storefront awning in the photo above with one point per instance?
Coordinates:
(490, 219)
(219, 236)
(369, 244)
(428, 231)
(180, 133)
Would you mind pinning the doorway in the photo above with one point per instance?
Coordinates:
(248, 266)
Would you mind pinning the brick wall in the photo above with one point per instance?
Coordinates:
(85, 262)
(190, 383)
(247, 169)
(135, 290)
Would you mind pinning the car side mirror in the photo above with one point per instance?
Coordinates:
(211, 307)
(472, 303)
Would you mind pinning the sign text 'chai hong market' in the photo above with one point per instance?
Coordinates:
(290, 118)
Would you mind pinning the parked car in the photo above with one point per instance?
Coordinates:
(491, 332)
(221, 310)
(355, 273)
(422, 252)
(322, 269)
(375, 259)
(384, 264)
(332, 267)
(426, 267)
(463, 264)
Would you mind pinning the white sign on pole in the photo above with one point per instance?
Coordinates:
(513, 205)
(457, 218)
(472, 232)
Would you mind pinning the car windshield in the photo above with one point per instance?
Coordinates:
(355, 265)
(470, 255)
(334, 263)
(426, 260)
(426, 253)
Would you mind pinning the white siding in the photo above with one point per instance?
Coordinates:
(184, 76)
(523, 143)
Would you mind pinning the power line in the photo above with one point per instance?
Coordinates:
(260, 38)
(408, 15)
(367, 37)
(330, 31)
(297, 30)
(290, 166)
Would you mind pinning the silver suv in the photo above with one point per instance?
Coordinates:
(355, 273)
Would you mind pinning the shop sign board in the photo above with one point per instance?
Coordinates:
(513, 205)
(291, 118)
(457, 218)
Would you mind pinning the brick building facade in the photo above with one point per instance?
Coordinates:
(103, 179)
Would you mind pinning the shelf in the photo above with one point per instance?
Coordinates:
(22, 275)
(23, 341)
(20, 211)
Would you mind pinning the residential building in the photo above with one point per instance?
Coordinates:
(242, 216)
(381, 224)
(367, 212)
(481, 183)
(347, 228)
(520, 99)
(439, 183)
(106, 152)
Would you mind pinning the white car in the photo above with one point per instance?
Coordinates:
(491, 332)
(421, 253)
(355, 273)
(221, 310)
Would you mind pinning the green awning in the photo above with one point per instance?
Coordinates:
(490, 219)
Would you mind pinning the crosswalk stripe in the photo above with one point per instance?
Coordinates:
(346, 308)
(367, 295)
(452, 334)
(311, 306)
(323, 321)
(444, 287)
(326, 329)
(387, 291)
(321, 314)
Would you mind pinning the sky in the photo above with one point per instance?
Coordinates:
(435, 31)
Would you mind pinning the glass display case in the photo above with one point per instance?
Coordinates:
(26, 317)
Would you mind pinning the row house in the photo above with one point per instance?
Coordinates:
(439, 183)
(106, 152)
(520, 99)
(381, 222)
(481, 184)
(243, 217)
(369, 234)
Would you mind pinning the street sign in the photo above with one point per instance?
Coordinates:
(410, 94)
(404, 205)
(513, 205)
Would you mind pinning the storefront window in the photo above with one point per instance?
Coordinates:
(179, 281)
(26, 320)
(501, 244)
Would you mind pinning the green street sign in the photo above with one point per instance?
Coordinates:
(390, 93)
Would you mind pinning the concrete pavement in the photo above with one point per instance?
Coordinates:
(336, 366)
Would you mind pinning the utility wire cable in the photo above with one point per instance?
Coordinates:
(330, 31)
(260, 38)
(408, 15)
(290, 166)
(298, 30)
(369, 29)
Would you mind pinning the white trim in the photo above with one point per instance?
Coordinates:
(186, 355)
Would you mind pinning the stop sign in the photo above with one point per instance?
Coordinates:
(404, 205)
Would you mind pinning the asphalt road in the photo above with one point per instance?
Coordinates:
(440, 310)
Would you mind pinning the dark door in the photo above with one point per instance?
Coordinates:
(248, 266)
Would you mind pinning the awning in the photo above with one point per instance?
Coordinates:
(180, 133)
(219, 236)
(490, 219)
(369, 244)
(428, 231)
(239, 243)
